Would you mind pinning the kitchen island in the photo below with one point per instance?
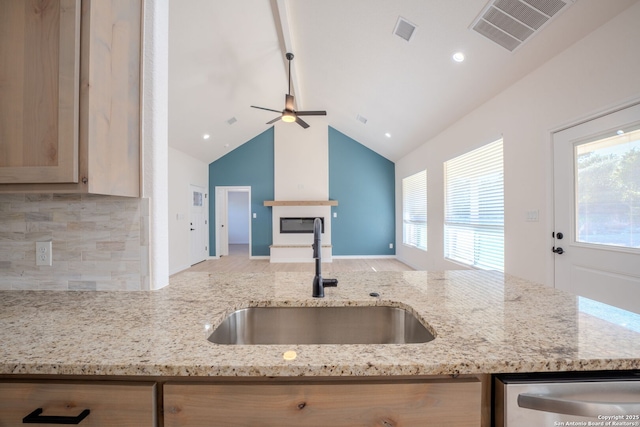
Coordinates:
(483, 322)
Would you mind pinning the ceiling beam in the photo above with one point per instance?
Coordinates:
(283, 26)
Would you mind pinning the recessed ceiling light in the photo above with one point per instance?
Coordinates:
(620, 132)
(388, 135)
(206, 136)
(458, 56)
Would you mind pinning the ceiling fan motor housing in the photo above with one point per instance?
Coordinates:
(289, 115)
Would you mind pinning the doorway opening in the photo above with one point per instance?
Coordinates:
(233, 221)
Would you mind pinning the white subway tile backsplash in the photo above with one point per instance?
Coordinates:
(99, 242)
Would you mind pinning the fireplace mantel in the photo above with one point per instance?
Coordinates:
(300, 203)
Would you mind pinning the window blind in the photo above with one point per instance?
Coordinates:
(414, 210)
(474, 208)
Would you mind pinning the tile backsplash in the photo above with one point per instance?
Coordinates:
(99, 243)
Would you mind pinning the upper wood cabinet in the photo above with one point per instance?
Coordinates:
(70, 96)
(39, 76)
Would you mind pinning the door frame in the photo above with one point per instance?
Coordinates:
(610, 109)
(222, 214)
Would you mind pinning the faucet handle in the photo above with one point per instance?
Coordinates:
(330, 282)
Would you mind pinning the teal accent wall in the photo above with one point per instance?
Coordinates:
(363, 183)
(251, 164)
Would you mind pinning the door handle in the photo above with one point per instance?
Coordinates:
(36, 418)
(557, 250)
(581, 408)
(192, 229)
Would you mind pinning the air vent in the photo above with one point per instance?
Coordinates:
(510, 23)
(361, 119)
(404, 29)
(232, 120)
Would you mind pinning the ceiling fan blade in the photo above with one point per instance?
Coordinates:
(302, 122)
(311, 113)
(268, 109)
(274, 120)
(288, 102)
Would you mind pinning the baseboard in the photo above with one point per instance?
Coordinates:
(365, 257)
(260, 257)
(409, 264)
(178, 269)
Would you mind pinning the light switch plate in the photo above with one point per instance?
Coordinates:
(532, 216)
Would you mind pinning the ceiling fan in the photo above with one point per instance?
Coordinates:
(290, 115)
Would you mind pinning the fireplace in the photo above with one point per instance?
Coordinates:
(298, 224)
(292, 226)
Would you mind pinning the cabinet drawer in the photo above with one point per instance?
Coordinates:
(424, 403)
(110, 403)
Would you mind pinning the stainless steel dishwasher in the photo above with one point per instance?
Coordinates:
(567, 399)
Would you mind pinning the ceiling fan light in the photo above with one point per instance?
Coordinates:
(288, 117)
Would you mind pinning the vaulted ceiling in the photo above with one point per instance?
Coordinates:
(225, 56)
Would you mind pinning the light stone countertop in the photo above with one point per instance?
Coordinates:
(484, 323)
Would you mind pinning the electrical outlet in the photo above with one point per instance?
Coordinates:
(390, 245)
(43, 253)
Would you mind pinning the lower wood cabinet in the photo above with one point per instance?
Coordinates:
(109, 403)
(325, 403)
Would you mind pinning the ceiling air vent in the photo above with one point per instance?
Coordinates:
(510, 23)
(404, 29)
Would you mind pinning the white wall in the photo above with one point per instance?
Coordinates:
(238, 219)
(184, 171)
(595, 75)
(301, 161)
(155, 110)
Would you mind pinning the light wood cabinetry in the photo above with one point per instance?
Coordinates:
(355, 403)
(110, 403)
(70, 104)
(39, 76)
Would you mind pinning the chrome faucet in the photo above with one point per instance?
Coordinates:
(318, 282)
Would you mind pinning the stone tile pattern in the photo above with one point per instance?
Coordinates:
(484, 322)
(99, 243)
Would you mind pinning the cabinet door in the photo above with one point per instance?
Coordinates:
(110, 95)
(39, 87)
(424, 403)
(109, 403)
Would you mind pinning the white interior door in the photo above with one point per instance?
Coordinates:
(199, 230)
(597, 209)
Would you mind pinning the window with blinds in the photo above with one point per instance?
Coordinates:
(474, 208)
(414, 210)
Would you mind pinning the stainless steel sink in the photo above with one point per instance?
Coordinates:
(321, 325)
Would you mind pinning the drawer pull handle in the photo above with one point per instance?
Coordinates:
(35, 418)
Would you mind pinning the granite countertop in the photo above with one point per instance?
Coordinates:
(485, 322)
